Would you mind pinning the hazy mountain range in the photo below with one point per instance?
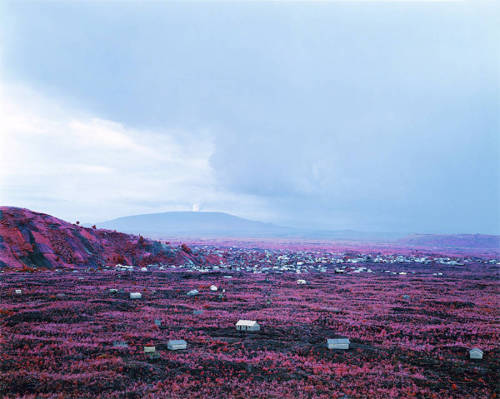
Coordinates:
(223, 225)
(195, 224)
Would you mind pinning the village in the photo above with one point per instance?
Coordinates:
(265, 261)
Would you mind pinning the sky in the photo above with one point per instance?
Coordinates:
(372, 116)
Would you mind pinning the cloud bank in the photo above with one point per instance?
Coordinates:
(74, 165)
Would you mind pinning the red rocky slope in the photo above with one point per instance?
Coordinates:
(30, 239)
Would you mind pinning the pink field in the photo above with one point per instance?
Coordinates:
(410, 334)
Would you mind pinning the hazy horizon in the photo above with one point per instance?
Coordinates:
(304, 228)
(326, 115)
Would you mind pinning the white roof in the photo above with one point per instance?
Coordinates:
(476, 350)
(338, 340)
(177, 342)
(249, 323)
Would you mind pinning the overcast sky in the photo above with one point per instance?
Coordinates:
(375, 117)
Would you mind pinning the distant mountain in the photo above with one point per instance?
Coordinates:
(31, 239)
(195, 224)
(212, 225)
(224, 225)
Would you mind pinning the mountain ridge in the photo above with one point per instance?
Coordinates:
(189, 224)
(193, 223)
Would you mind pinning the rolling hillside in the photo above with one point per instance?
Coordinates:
(30, 239)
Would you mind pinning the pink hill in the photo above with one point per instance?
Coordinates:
(30, 239)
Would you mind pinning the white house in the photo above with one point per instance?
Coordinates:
(301, 282)
(247, 325)
(476, 353)
(176, 344)
(338, 343)
(135, 295)
(113, 290)
(18, 292)
(213, 288)
(193, 293)
(149, 349)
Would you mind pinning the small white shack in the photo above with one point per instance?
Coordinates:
(247, 325)
(176, 344)
(301, 282)
(193, 293)
(149, 349)
(213, 288)
(338, 343)
(135, 295)
(476, 353)
(18, 292)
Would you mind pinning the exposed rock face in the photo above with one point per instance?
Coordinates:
(30, 239)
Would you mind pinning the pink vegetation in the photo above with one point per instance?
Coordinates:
(410, 335)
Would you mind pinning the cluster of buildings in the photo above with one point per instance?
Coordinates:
(256, 260)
